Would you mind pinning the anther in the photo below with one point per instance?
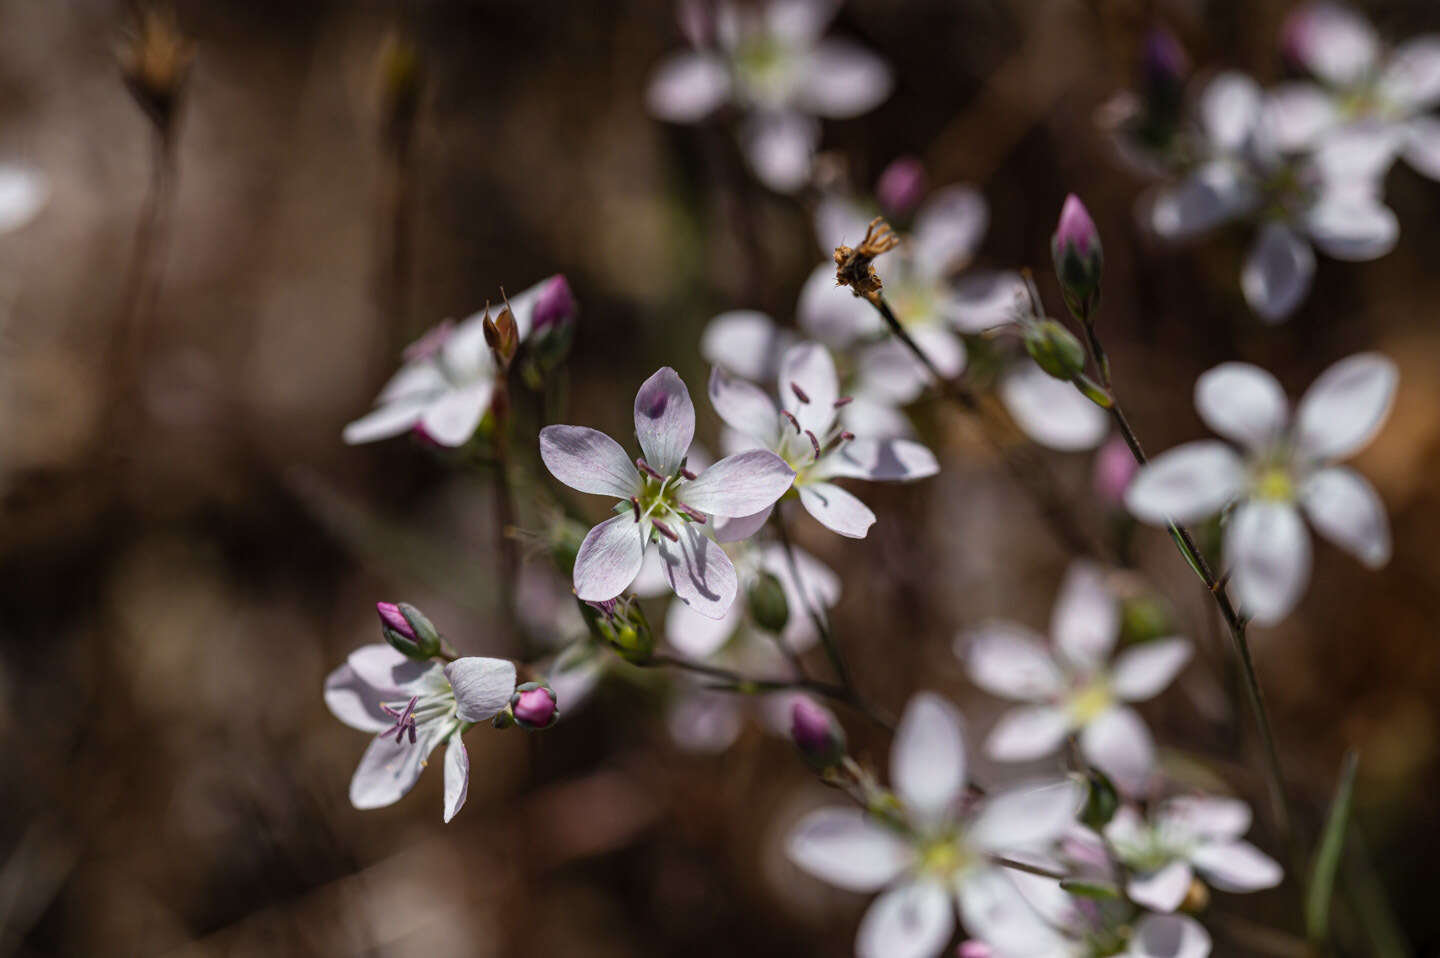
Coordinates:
(844, 401)
(635, 504)
(665, 530)
(691, 513)
(645, 467)
(799, 393)
(793, 421)
(404, 720)
(686, 473)
(814, 443)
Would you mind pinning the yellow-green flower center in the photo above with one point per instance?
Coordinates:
(1275, 483)
(1090, 701)
(942, 857)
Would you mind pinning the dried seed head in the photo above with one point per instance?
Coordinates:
(155, 59)
(854, 267)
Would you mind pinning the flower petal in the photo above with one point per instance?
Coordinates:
(609, 559)
(799, 22)
(387, 671)
(842, 79)
(700, 572)
(1143, 671)
(740, 528)
(808, 370)
(1347, 511)
(836, 509)
(993, 910)
(1297, 116)
(389, 769)
(913, 920)
(984, 299)
(927, 759)
(589, 461)
(453, 418)
(698, 636)
(457, 777)
(1243, 403)
(780, 148)
(1209, 816)
(1353, 225)
(1229, 110)
(1412, 77)
(880, 460)
(1169, 936)
(1186, 483)
(1268, 552)
(703, 721)
(948, 229)
(483, 686)
(23, 193)
(383, 422)
(1119, 744)
(1009, 660)
(1086, 619)
(1237, 866)
(1332, 41)
(664, 420)
(1212, 194)
(846, 849)
(1027, 816)
(1162, 890)
(1344, 408)
(1277, 272)
(687, 87)
(1421, 145)
(739, 485)
(1027, 733)
(747, 343)
(743, 406)
(356, 702)
(1051, 412)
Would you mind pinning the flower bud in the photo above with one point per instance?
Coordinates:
(552, 329)
(816, 733)
(1054, 348)
(768, 606)
(1078, 257)
(534, 706)
(1164, 68)
(1102, 801)
(1114, 468)
(974, 949)
(901, 186)
(407, 630)
(621, 624)
(555, 306)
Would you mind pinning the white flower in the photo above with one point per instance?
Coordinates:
(934, 848)
(414, 706)
(661, 500)
(1050, 411)
(1331, 198)
(772, 62)
(1184, 836)
(1284, 469)
(23, 193)
(444, 388)
(1074, 687)
(806, 434)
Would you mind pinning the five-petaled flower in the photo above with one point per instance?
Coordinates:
(1286, 468)
(414, 706)
(1075, 688)
(661, 500)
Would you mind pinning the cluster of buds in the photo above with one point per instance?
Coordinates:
(621, 624)
(408, 631)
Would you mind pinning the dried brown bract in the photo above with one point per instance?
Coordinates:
(854, 267)
(155, 59)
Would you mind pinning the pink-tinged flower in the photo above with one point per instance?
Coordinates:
(414, 707)
(901, 186)
(1072, 686)
(1184, 836)
(661, 500)
(937, 850)
(806, 434)
(23, 193)
(1114, 468)
(1283, 469)
(444, 388)
(772, 62)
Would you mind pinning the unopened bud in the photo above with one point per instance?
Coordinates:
(974, 949)
(621, 624)
(534, 706)
(768, 606)
(1079, 258)
(816, 733)
(1114, 468)
(552, 329)
(901, 186)
(1054, 349)
(1101, 802)
(1164, 68)
(407, 630)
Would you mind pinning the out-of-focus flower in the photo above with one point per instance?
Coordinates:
(1284, 468)
(1147, 124)
(806, 434)
(552, 328)
(772, 62)
(1050, 411)
(414, 706)
(816, 733)
(445, 387)
(1184, 836)
(1252, 170)
(926, 845)
(661, 500)
(901, 186)
(23, 193)
(1114, 468)
(1074, 687)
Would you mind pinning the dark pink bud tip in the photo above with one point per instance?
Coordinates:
(901, 186)
(535, 708)
(816, 733)
(1076, 228)
(392, 618)
(555, 306)
(974, 949)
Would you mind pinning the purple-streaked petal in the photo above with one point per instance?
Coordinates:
(1143, 671)
(609, 559)
(1028, 732)
(739, 528)
(1412, 77)
(948, 229)
(457, 777)
(483, 686)
(1086, 619)
(844, 848)
(703, 721)
(832, 314)
(453, 418)
(1230, 110)
(664, 420)
(1052, 412)
(1237, 866)
(743, 406)
(384, 422)
(809, 386)
(1267, 549)
(389, 769)
(1119, 744)
(589, 461)
(687, 87)
(1347, 511)
(840, 79)
(23, 193)
(993, 911)
(1010, 661)
(880, 460)
(700, 572)
(698, 636)
(1189, 482)
(911, 920)
(747, 343)
(1277, 273)
(1208, 816)
(927, 759)
(780, 148)
(1353, 225)
(1332, 41)
(836, 509)
(1243, 403)
(1344, 408)
(739, 485)
(1169, 936)
(1161, 890)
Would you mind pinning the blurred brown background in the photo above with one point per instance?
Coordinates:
(188, 548)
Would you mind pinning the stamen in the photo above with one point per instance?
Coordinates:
(404, 720)
(815, 443)
(844, 401)
(686, 473)
(645, 467)
(846, 436)
(691, 513)
(793, 421)
(665, 530)
(635, 505)
(799, 393)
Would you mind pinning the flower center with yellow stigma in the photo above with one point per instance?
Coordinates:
(1090, 701)
(762, 65)
(658, 501)
(942, 857)
(1275, 483)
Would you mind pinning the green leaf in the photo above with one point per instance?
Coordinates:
(1101, 890)
(1185, 550)
(1327, 854)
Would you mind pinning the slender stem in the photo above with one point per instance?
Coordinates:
(837, 661)
(1028, 869)
(506, 546)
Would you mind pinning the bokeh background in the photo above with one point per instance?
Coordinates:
(186, 547)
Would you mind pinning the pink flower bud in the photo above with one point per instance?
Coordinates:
(973, 949)
(1078, 256)
(535, 707)
(555, 306)
(392, 618)
(1164, 64)
(816, 733)
(1114, 468)
(901, 186)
